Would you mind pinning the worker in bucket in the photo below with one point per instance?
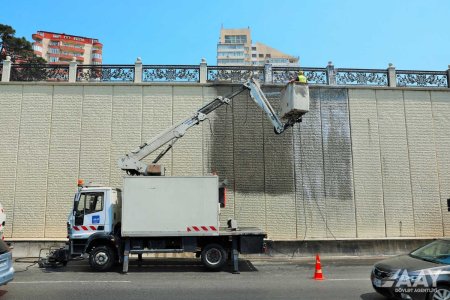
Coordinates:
(300, 78)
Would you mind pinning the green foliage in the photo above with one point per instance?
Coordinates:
(19, 49)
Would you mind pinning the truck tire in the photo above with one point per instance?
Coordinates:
(214, 257)
(102, 258)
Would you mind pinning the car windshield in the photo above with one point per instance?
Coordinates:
(437, 251)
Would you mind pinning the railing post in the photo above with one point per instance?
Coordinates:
(268, 74)
(392, 77)
(73, 70)
(331, 74)
(138, 70)
(448, 76)
(6, 72)
(203, 71)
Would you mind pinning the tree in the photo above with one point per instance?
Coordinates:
(20, 50)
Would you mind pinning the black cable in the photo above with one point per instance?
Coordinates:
(20, 260)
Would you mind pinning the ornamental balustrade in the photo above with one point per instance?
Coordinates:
(202, 73)
(105, 73)
(39, 72)
(170, 73)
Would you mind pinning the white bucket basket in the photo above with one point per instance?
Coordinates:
(294, 101)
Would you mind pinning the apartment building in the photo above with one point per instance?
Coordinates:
(59, 48)
(235, 47)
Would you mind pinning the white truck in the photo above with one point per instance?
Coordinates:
(164, 214)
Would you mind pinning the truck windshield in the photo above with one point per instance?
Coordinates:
(89, 203)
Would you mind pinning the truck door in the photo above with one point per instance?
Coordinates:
(89, 212)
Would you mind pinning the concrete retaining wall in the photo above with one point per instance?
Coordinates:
(365, 162)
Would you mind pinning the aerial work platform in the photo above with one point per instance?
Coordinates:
(294, 101)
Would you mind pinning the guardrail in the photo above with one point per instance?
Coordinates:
(203, 73)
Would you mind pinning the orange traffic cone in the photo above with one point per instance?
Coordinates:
(318, 275)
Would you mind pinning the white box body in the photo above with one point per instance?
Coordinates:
(294, 100)
(170, 206)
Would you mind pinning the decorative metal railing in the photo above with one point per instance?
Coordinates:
(39, 72)
(202, 73)
(105, 73)
(176, 73)
(422, 78)
(362, 77)
(234, 73)
(285, 74)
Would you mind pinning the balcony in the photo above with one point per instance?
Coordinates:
(36, 36)
(99, 51)
(72, 49)
(68, 58)
(65, 56)
(99, 60)
(73, 42)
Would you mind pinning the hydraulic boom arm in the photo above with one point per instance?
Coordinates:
(132, 162)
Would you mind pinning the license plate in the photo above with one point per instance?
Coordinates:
(377, 282)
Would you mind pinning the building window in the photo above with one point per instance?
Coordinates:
(261, 55)
(53, 50)
(53, 59)
(229, 47)
(279, 60)
(96, 55)
(72, 54)
(56, 36)
(268, 55)
(230, 54)
(253, 55)
(230, 61)
(235, 39)
(73, 45)
(37, 48)
(253, 48)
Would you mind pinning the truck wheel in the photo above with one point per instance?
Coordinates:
(101, 258)
(214, 257)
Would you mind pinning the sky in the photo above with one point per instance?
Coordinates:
(411, 34)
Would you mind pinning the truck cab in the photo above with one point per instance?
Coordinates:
(96, 211)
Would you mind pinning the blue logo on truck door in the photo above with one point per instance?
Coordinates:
(95, 219)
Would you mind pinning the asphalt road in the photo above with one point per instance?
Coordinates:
(187, 279)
